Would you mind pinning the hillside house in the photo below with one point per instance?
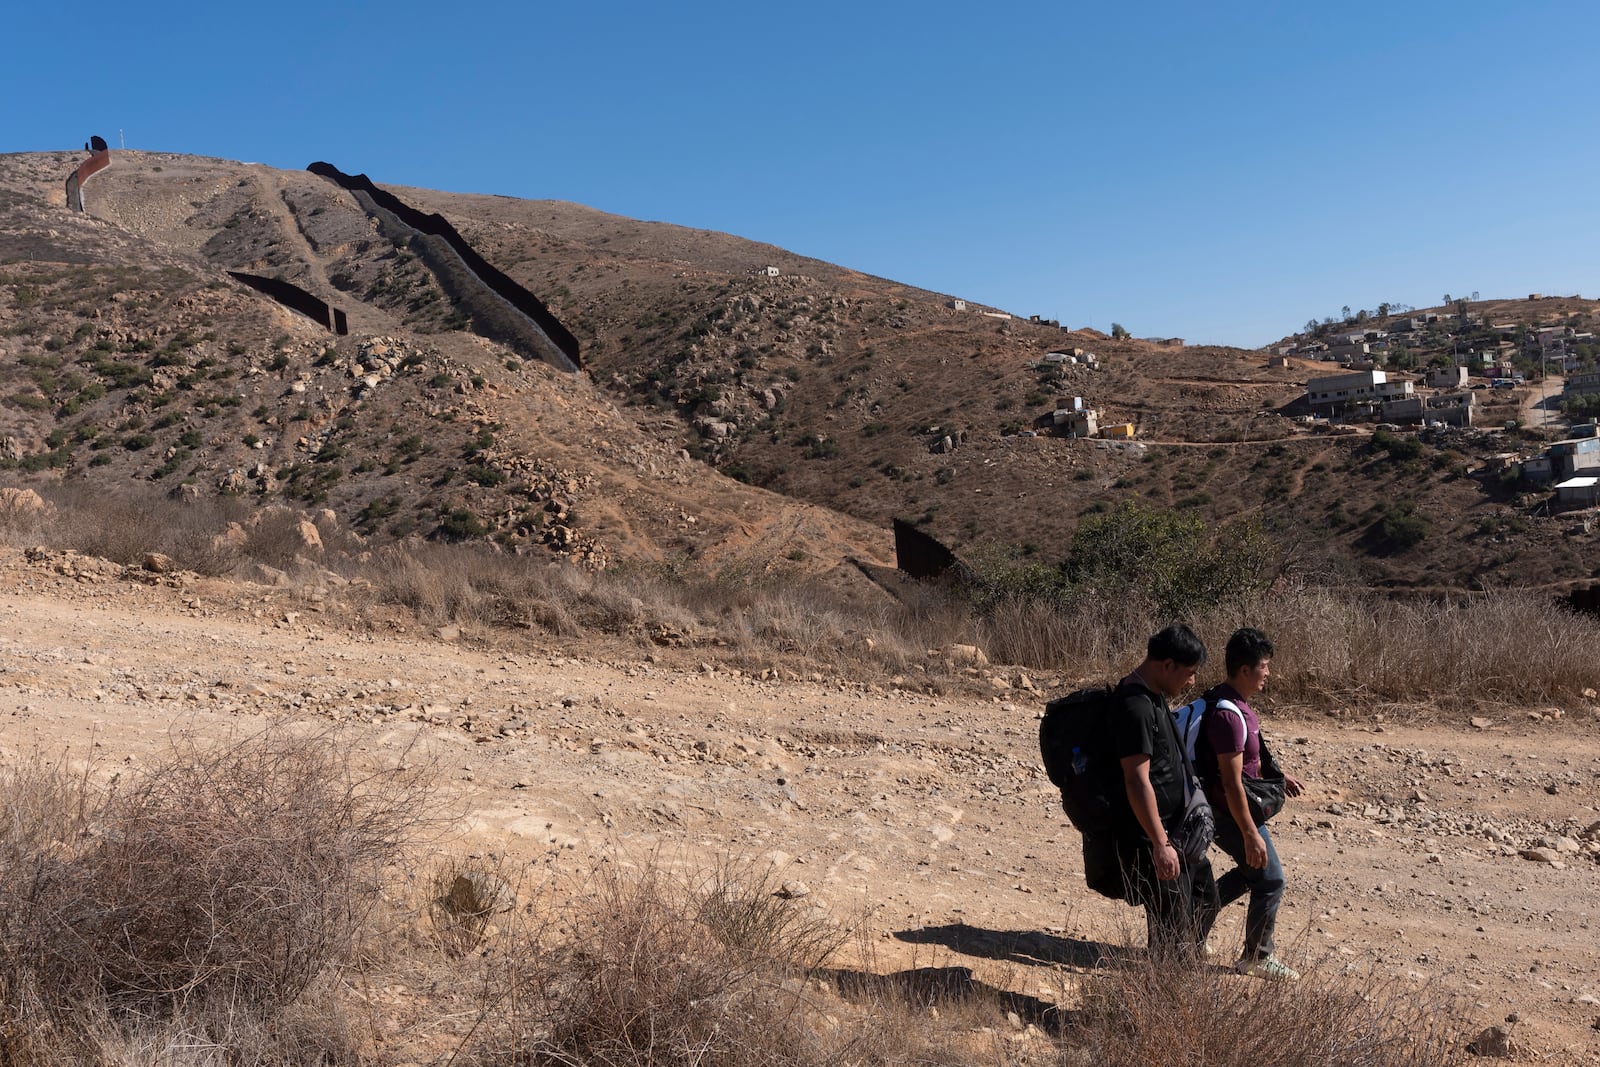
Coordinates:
(958, 305)
(770, 272)
(1575, 456)
(1406, 409)
(1580, 492)
(1122, 430)
(1549, 338)
(1349, 353)
(1447, 377)
(1584, 382)
(1538, 468)
(1278, 361)
(1452, 409)
(1076, 422)
(1360, 385)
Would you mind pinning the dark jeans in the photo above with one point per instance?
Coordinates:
(1264, 884)
(1177, 914)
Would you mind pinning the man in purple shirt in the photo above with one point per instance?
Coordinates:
(1232, 732)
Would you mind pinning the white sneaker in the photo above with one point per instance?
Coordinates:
(1268, 967)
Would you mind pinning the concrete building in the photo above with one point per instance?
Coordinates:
(1581, 492)
(1584, 382)
(1575, 456)
(1447, 377)
(1360, 385)
(1079, 422)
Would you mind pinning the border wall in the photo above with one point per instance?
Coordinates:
(99, 159)
(921, 556)
(295, 298)
(485, 293)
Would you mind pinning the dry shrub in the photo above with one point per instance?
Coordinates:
(1165, 1012)
(1512, 646)
(206, 897)
(1336, 647)
(651, 968)
(127, 525)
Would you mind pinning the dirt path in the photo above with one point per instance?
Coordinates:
(928, 816)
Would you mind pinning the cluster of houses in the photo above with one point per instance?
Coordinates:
(1572, 465)
(1358, 349)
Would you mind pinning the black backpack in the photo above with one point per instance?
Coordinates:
(1071, 744)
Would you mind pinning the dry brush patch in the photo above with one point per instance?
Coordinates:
(1162, 1012)
(1342, 649)
(200, 902)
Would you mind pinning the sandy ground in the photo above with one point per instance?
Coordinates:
(928, 818)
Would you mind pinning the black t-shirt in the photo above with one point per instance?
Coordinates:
(1141, 725)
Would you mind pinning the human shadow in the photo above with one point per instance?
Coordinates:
(1020, 946)
(926, 987)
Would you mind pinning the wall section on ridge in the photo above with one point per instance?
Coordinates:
(295, 298)
(500, 308)
(99, 159)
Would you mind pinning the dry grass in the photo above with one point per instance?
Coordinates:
(198, 904)
(1339, 650)
(239, 904)
(1164, 1013)
(649, 966)
(1335, 649)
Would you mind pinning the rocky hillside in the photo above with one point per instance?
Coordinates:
(724, 412)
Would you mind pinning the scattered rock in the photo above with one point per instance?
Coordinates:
(793, 890)
(1495, 1041)
(1542, 855)
(478, 893)
(967, 654)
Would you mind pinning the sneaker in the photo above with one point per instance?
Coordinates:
(1268, 967)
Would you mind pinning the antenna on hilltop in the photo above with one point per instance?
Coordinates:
(122, 142)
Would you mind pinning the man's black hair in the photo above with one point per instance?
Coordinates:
(1246, 648)
(1179, 644)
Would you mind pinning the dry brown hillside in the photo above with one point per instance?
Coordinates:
(129, 354)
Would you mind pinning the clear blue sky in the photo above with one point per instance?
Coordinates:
(1218, 171)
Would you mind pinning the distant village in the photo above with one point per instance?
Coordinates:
(1425, 372)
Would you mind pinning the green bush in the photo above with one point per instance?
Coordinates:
(1179, 563)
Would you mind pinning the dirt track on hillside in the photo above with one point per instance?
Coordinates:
(928, 816)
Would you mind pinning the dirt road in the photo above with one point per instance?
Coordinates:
(930, 816)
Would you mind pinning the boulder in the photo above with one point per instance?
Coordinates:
(967, 654)
(310, 538)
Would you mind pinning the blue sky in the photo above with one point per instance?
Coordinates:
(1220, 172)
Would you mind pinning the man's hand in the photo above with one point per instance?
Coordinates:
(1292, 786)
(1166, 861)
(1255, 850)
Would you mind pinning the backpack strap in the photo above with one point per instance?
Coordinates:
(1233, 709)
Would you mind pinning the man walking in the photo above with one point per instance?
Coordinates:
(1232, 731)
(1179, 897)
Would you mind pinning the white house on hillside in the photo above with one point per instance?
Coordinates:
(1359, 385)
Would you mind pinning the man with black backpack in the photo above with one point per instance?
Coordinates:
(1246, 788)
(1179, 894)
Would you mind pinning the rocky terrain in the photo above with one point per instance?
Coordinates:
(128, 355)
(1460, 859)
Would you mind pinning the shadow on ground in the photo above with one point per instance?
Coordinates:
(1020, 946)
(933, 986)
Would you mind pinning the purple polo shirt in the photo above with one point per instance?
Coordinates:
(1228, 734)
